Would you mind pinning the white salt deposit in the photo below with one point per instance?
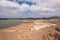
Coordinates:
(39, 26)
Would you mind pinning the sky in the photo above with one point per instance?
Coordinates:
(29, 8)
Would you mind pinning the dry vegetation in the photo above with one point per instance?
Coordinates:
(42, 29)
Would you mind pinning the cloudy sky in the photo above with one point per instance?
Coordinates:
(29, 8)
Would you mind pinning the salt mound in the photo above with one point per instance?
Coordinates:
(39, 26)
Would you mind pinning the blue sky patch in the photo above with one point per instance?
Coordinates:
(22, 2)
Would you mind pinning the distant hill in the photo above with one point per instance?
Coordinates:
(27, 18)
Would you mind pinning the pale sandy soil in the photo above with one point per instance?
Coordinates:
(33, 30)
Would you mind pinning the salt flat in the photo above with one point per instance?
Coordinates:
(32, 30)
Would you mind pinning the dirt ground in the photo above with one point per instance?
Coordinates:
(43, 29)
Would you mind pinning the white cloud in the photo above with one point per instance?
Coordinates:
(42, 8)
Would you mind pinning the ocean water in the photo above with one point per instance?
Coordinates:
(8, 23)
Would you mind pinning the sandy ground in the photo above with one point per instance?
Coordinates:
(33, 30)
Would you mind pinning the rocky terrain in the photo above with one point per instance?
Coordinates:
(42, 29)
